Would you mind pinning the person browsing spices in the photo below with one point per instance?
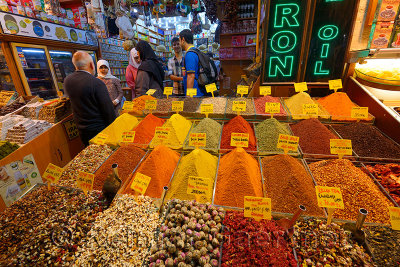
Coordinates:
(132, 69)
(113, 83)
(175, 65)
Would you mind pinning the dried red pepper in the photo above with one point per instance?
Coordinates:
(389, 177)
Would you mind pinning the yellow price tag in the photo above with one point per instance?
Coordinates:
(240, 139)
(198, 139)
(177, 106)
(341, 147)
(140, 183)
(207, 109)
(85, 181)
(359, 113)
(52, 173)
(151, 104)
(335, 84)
(161, 134)
(265, 90)
(191, 92)
(200, 187)
(300, 87)
(310, 109)
(60, 94)
(329, 197)
(288, 143)
(168, 91)
(239, 106)
(395, 218)
(100, 139)
(128, 137)
(151, 91)
(242, 90)
(128, 105)
(258, 208)
(210, 88)
(272, 107)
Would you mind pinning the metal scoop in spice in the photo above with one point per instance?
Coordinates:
(112, 184)
(355, 228)
(160, 202)
(288, 224)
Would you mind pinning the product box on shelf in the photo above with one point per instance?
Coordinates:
(238, 40)
(388, 10)
(382, 34)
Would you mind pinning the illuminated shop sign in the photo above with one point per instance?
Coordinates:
(285, 31)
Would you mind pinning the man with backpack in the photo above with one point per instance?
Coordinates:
(199, 69)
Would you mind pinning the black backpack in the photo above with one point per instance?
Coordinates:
(207, 68)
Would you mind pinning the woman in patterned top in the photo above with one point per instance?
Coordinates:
(113, 83)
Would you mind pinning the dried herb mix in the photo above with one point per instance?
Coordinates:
(212, 129)
(267, 133)
(385, 245)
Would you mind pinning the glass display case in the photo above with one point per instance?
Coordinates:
(380, 71)
(62, 64)
(6, 82)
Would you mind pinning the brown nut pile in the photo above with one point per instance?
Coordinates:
(45, 227)
(89, 160)
(121, 235)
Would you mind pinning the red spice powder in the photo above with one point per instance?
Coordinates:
(237, 125)
(145, 129)
(314, 136)
(260, 104)
(127, 157)
(159, 165)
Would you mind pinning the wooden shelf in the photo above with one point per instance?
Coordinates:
(242, 19)
(238, 33)
(238, 46)
(236, 59)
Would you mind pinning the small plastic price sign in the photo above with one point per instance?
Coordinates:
(242, 90)
(60, 94)
(240, 139)
(329, 197)
(359, 113)
(177, 106)
(310, 109)
(85, 181)
(100, 139)
(52, 173)
(151, 91)
(335, 84)
(239, 106)
(128, 105)
(198, 139)
(395, 218)
(265, 90)
(128, 137)
(168, 91)
(161, 135)
(140, 183)
(201, 187)
(272, 108)
(258, 208)
(207, 109)
(191, 92)
(341, 147)
(288, 142)
(211, 88)
(300, 87)
(151, 104)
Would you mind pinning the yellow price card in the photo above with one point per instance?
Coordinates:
(140, 183)
(100, 139)
(258, 208)
(239, 106)
(177, 106)
(359, 113)
(168, 91)
(128, 137)
(161, 135)
(128, 105)
(201, 187)
(272, 108)
(191, 92)
(300, 87)
(395, 218)
(310, 109)
(265, 90)
(288, 142)
(151, 104)
(211, 88)
(329, 197)
(52, 173)
(198, 139)
(240, 139)
(151, 91)
(341, 147)
(207, 109)
(335, 84)
(85, 181)
(242, 90)
(60, 94)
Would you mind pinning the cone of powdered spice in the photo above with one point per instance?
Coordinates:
(289, 185)
(127, 157)
(259, 103)
(238, 176)
(295, 105)
(190, 105)
(179, 128)
(249, 113)
(219, 105)
(267, 133)
(164, 106)
(145, 130)
(139, 105)
(237, 125)
(212, 129)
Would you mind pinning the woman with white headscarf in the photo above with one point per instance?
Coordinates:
(113, 83)
(132, 69)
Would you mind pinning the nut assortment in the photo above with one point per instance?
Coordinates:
(385, 245)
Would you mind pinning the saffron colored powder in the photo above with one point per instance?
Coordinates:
(139, 104)
(144, 131)
(238, 176)
(159, 165)
(237, 125)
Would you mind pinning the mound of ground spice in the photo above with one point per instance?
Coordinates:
(179, 128)
(238, 176)
(237, 125)
(144, 131)
(295, 106)
(289, 185)
(249, 106)
(197, 163)
(358, 190)
(267, 133)
(164, 105)
(219, 104)
(190, 105)
(259, 103)
(159, 165)
(388, 176)
(139, 104)
(314, 136)
(127, 157)
(367, 141)
(212, 129)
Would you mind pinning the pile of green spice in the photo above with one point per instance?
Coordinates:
(267, 134)
(212, 129)
(385, 245)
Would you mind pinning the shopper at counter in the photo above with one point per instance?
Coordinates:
(175, 66)
(132, 69)
(150, 73)
(113, 84)
(91, 103)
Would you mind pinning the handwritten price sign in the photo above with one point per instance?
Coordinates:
(288, 142)
(272, 108)
(242, 90)
(300, 87)
(310, 109)
(100, 139)
(177, 106)
(85, 181)
(329, 197)
(240, 139)
(52, 173)
(128, 137)
(200, 187)
(197, 139)
(359, 113)
(265, 90)
(395, 218)
(341, 147)
(140, 183)
(128, 106)
(239, 106)
(258, 208)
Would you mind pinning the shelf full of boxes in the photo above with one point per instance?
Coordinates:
(168, 38)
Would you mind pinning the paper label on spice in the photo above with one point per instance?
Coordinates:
(288, 142)
(191, 92)
(100, 139)
(161, 135)
(151, 91)
(341, 147)
(128, 105)
(85, 181)
(198, 139)
(168, 90)
(151, 104)
(140, 183)
(177, 106)
(265, 90)
(239, 106)
(207, 108)
(257, 207)
(52, 173)
(272, 108)
(300, 87)
(240, 139)
(329, 197)
(395, 218)
(128, 137)
(200, 186)
(242, 90)
(60, 94)
(335, 84)
(211, 88)
(359, 112)
(310, 109)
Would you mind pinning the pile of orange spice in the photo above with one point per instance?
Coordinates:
(139, 104)
(144, 131)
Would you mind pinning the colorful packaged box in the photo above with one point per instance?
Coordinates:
(37, 5)
(388, 10)
(395, 39)
(4, 6)
(236, 53)
(238, 40)
(251, 39)
(382, 34)
(229, 53)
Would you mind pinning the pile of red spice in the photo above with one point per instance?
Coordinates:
(127, 157)
(260, 104)
(314, 136)
(144, 131)
(252, 243)
(237, 125)
(388, 176)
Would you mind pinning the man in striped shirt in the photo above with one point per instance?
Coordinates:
(175, 65)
